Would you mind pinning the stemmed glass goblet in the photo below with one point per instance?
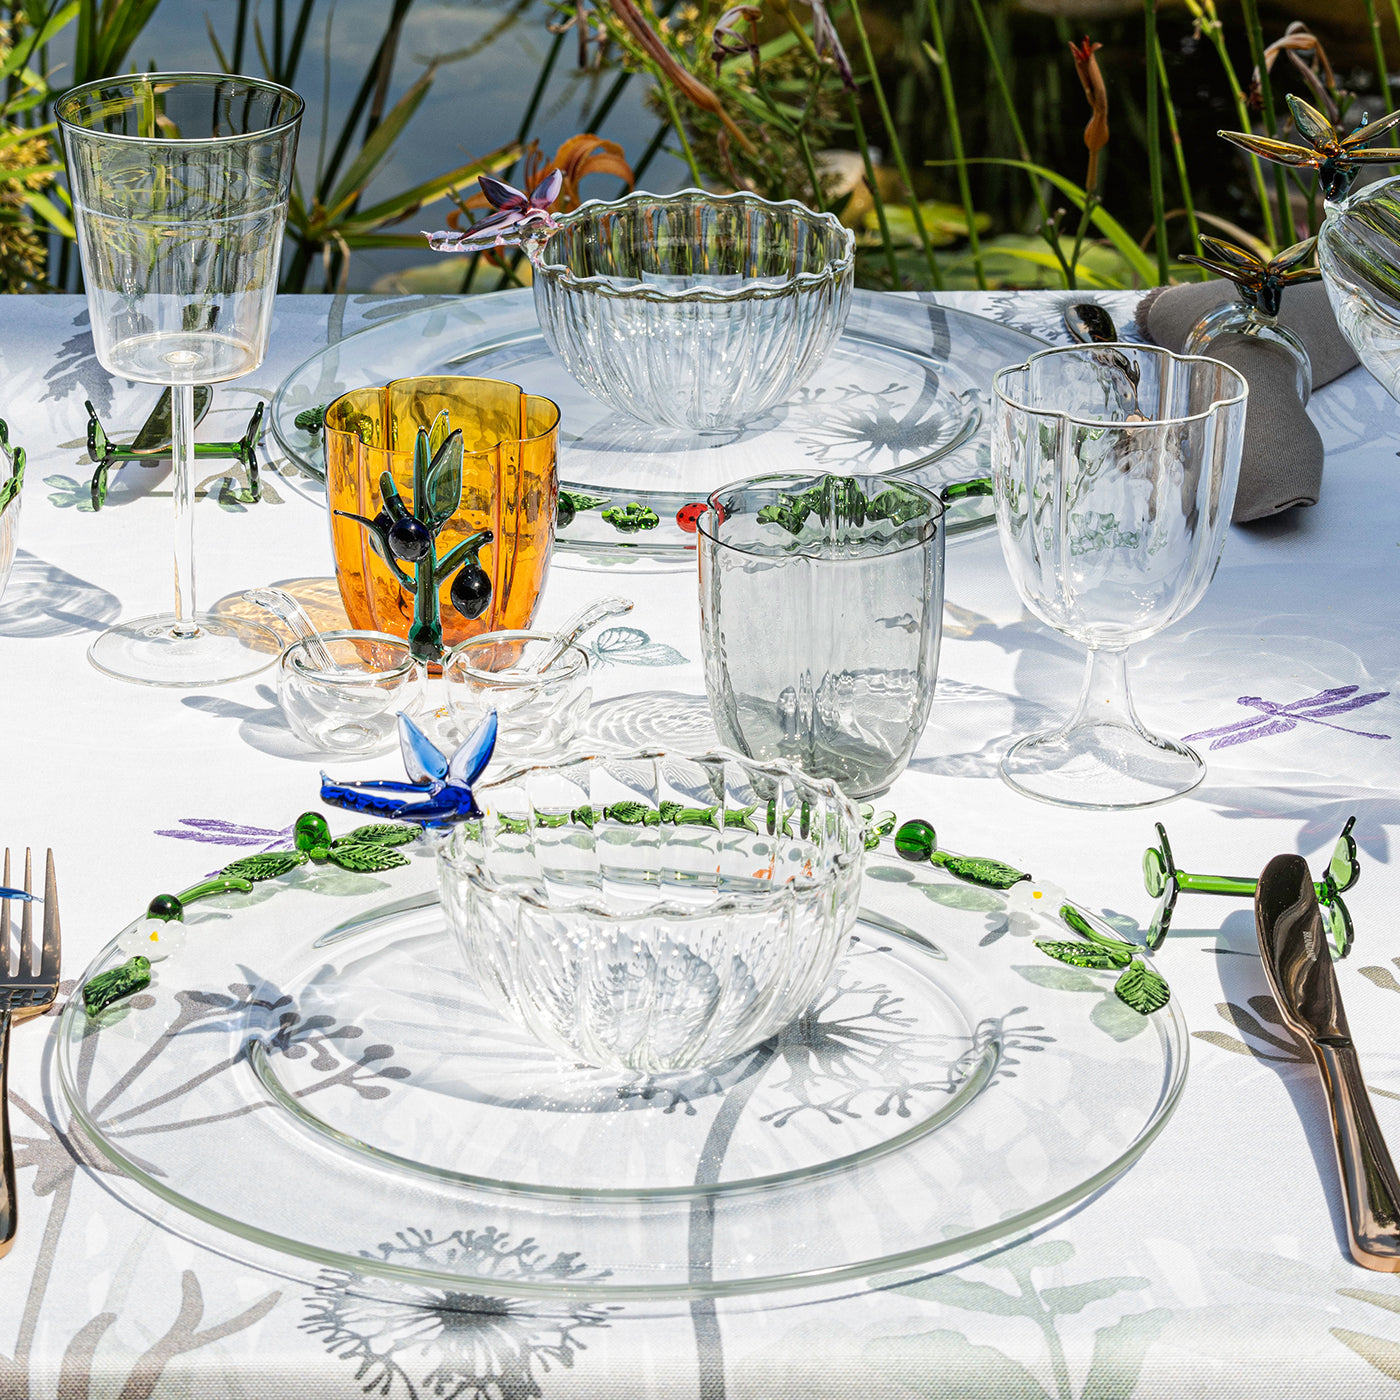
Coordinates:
(1114, 470)
(180, 184)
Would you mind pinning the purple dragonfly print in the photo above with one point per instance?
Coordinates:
(1275, 717)
(215, 832)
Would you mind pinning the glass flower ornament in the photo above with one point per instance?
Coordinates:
(1337, 159)
(1260, 285)
(1358, 246)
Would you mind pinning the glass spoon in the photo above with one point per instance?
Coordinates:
(283, 606)
(577, 625)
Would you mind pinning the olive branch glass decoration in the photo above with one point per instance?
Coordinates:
(158, 932)
(442, 493)
(407, 534)
(1165, 882)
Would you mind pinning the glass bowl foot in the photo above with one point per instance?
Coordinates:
(148, 651)
(1102, 766)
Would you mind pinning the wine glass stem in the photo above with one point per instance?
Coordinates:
(182, 475)
(1104, 698)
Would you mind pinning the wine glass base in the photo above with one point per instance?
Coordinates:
(1102, 767)
(148, 651)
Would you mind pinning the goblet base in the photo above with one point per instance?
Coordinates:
(149, 651)
(1102, 767)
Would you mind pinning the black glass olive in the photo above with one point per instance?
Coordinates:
(409, 539)
(471, 591)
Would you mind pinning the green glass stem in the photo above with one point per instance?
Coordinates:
(218, 884)
(1217, 884)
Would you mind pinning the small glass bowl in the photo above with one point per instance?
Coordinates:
(653, 912)
(694, 310)
(536, 713)
(354, 708)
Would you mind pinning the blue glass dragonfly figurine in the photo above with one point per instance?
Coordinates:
(443, 785)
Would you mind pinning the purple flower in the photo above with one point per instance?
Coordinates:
(516, 215)
(728, 39)
(828, 43)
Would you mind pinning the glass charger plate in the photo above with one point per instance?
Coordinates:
(333, 1090)
(904, 391)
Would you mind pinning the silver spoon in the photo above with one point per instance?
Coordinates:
(1090, 324)
(283, 606)
(577, 625)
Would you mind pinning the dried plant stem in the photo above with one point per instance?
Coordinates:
(896, 149)
(1154, 148)
(950, 105)
(1266, 93)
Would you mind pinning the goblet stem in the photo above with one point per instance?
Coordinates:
(1104, 697)
(182, 475)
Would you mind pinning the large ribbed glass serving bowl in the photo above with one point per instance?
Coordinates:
(694, 310)
(651, 912)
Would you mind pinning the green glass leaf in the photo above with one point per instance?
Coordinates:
(741, 817)
(439, 433)
(444, 493)
(1343, 869)
(513, 826)
(580, 500)
(378, 834)
(312, 420)
(980, 870)
(1082, 954)
(1338, 920)
(1154, 871)
(584, 816)
(1142, 988)
(1120, 949)
(366, 858)
(132, 976)
(630, 813)
(632, 518)
(267, 866)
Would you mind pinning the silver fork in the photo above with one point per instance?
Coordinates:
(23, 993)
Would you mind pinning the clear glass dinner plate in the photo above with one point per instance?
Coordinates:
(903, 392)
(318, 1077)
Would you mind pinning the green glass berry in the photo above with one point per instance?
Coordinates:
(165, 906)
(565, 511)
(916, 840)
(312, 833)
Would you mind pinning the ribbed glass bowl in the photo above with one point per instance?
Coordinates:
(694, 310)
(652, 912)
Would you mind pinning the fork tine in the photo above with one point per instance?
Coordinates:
(26, 919)
(48, 965)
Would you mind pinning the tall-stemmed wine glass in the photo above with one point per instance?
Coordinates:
(180, 185)
(1114, 470)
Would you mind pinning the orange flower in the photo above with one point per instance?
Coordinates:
(1091, 80)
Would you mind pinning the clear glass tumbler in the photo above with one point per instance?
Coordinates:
(180, 184)
(1114, 471)
(821, 612)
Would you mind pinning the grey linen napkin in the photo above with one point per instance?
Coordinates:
(1282, 462)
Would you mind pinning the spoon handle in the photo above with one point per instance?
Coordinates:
(579, 624)
(282, 605)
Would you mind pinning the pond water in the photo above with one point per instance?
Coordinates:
(490, 57)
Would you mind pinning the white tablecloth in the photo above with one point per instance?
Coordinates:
(1215, 1266)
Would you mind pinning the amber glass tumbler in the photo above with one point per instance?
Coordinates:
(510, 486)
